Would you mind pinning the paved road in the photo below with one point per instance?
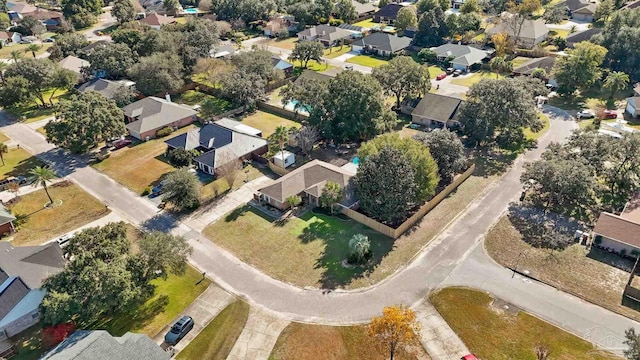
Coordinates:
(446, 261)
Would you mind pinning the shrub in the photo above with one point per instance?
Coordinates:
(146, 191)
(360, 248)
(180, 157)
(53, 335)
(20, 220)
(635, 253)
(164, 132)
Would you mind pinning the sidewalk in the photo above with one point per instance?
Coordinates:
(258, 337)
(26, 189)
(436, 336)
(113, 216)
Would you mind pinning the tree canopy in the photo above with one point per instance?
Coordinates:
(67, 44)
(621, 37)
(181, 188)
(406, 18)
(124, 11)
(447, 151)
(112, 60)
(580, 69)
(432, 28)
(402, 77)
(158, 73)
(305, 51)
(396, 327)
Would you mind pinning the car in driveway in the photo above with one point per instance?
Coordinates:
(119, 144)
(585, 114)
(610, 114)
(469, 357)
(441, 76)
(64, 239)
(179, 330)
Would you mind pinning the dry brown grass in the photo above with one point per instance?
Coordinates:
(574, 269)
(267, 122)
(316, 342)
(78, 208)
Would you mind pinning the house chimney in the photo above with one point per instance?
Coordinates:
(168, 97)
(210, 145)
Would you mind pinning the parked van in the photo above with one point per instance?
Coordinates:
(4, 184)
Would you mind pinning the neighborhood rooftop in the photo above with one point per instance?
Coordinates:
(152, 113)
(156, 19)
(384, 42)
(32, 263)
(532, 29)
(437, 107)
(325, 32)
(528, 67)
(107, 88)
(463, 54)
(619, 229)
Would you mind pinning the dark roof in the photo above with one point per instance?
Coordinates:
(312, 75)
(351, 27)
(326, 32)
(5, 215)
(99, 344)
(105, 87)
(389, 11)
(635, 101)
(619, 229)
(12, 290)
(280, 64)
(201, 137)
(585, 35)
(94, 45)
(32, 264)
(437, 107)
(384, 41)
(632, 5)
(528, 67)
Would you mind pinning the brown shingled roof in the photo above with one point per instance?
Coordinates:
(617, 228)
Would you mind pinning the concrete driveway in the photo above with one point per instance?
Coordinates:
(347, 56)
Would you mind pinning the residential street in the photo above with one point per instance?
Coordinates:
(456, 257)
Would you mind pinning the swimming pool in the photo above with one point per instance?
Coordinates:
(191, 11)
(291, 105)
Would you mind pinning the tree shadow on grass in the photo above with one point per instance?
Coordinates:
(542, 229)
(240, 211)
(23, 167)
(135, 318)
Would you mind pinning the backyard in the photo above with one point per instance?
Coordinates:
(267, 122)
(78, 208)
(564, 269)
(141, 164)
(5, 51)
(194, 97)
(490, 332)
(317, 342)
(217, 339)
(366, 60)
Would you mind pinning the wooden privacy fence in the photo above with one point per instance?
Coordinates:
(277, 110)
(411, 221)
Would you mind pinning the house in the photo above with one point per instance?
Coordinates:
(9, 38)
(363, 10)
(23, 269)
(219, 145)
(280, 24)
(308, 182)
(20, 10)
(464, 56)
(585, 35)
(99, 344)
(437, 110)
(239, 127)
(381, 44)
(6, 221)
(633, 106)
(636, 89)
(584, 13)
(145, 117)
(326, 34)
(283, 65)
(456, 4)
(617, 233)
(224, 51)
(388, 13)
(156, 20)
(527, 68)
(108, 88)
(532, 32)
(74, 64)
(85, 51)
(50, 19)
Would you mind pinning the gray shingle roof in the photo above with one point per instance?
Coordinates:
(389, 11)
(528, 67)
(32, 264)
(585, 35)
(384, 41)
(531, 29)
(105, 87)
(464, 54)
(363, 8)
(155, 113)
(100, 345)
(73, 63)
(437, 107)
(326, 32)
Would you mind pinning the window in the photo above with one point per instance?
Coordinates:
(35, 315)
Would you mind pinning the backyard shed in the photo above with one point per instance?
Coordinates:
(284, 159)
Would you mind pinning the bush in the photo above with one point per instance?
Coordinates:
(53, 335)
(164, 132)
(360, 249)
(180, 157)
(146, 191)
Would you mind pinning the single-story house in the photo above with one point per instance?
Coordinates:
(388, 13)
(224, 51)
(585, 35)
(382, 44)
(464, 56)
(363, 9)
(23, 269)
(108, 88)
(312, 75)
(437, 110)
(219, 145)
(308, 182)
(74, 64)
(532, 32)
(85, 51)
(584, 13)
(50, 19)
(633, 106)
(527, 68)
(156, 20)
(6, 221)
(281, 64)
(9, 37)
(18, 10)
(239, 127)
(326, 34)
(618, 234)
(145, 117)
(99, 344)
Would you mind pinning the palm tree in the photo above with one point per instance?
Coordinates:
(281, 136)
(16, 55)
(3, 65)
(33, 48)
(500, 66)
(3, 150)
(43, 174)
(616, 81)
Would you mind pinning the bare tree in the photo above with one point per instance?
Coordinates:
(229, 171)
(542, 352)
(306, 138)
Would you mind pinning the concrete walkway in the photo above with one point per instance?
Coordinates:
(436, 336)
(203, 309)
(258, 337)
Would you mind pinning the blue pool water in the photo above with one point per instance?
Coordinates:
(292, 105)
(356, 160)
(191, 11)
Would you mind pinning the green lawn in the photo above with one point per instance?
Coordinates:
(5, 52)
(267, 122)
(193, 97)
(171, 297)
(216, 340)
(32, 112)
(519, 61)
(336, 51)
(558, 33)
(434, 71)
(369, 23)
(492, 333)
(312, 65)
(468, 80)
(18, 162)
(366, 60)
(305, 251)
(317, 342)
(530, 135)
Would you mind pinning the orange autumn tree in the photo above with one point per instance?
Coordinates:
(396, 327)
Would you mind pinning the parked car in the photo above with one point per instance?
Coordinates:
(441, 76)
(457, 72)
(449, 71)
(25, 41)
(585, 114)
(179, 330)
(469, 357)
(64, 239)
(4, 184)
(157, 190)
(119, 144)
(49, 40)
(610, 114)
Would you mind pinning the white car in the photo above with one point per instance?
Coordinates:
(64, 239)
(585, 114)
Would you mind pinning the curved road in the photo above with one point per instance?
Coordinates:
(456, 257)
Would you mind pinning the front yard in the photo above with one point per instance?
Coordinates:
(140, 165)
(336, 51)
(287, 44)
(18, 162)
(366, 60)
(468, 80)
(490, 332)
(267, 122)
(312, 65)
(5, 51)
(32, 112)
(566, 269)
(317, 342)
(78, 208)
